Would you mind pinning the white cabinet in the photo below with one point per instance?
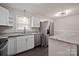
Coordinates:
(21, 44)
(4, 16)
(29, 42)
(25, 43)
(35, 22)
(12, 46)
(59, 48)
(12, 18)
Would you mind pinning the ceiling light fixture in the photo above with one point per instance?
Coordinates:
(57, 14)
(24, 14)
(63, 13)
(67, 11)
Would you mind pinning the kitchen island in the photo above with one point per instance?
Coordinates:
(63, 45)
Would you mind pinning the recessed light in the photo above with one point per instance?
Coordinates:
(58, 14)
(67, 11)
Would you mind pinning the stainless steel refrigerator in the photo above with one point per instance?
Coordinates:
(46, 29)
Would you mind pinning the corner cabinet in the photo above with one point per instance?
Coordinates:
(35, 22)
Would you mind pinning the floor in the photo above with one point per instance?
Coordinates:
(38, 51)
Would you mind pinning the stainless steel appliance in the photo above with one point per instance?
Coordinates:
(37, 40)
(43, 30)
(3, 46)
(46, 29)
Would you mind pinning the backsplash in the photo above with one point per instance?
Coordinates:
(35, 30)
(7, 30)
(12, 30)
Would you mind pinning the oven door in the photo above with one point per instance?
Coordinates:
(3, 47)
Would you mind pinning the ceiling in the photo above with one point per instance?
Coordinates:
(44, 9)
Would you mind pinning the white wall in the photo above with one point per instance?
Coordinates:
(67, 24)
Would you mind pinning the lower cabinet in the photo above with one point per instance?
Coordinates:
(20, 44)
(59, 48)
(25, 43)
(29, 42)
(12, 48)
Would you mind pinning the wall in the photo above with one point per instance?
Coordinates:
(67, 24)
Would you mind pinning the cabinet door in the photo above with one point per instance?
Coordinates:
(12, 46)
(29, 42)
(37, 40)
(4, 16)
(12, 18)
(21, 44)
(58, 48)
(35, 22)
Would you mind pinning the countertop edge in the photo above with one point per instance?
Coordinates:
(64, 41)
(18, 35)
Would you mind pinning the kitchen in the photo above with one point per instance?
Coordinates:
(41, 29)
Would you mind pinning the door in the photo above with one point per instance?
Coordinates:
(21, 44)
(12, 46)
(58, 48)
(29, 42)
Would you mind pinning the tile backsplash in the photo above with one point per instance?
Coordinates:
(9, 30)
(6, 29)
(35, 30)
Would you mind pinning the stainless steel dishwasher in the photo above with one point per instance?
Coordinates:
(3, 46)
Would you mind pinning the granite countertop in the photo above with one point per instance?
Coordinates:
(74, 39)
(16, 35)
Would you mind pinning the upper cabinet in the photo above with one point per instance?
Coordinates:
(4, 16)
(35, 22)
(12, 18)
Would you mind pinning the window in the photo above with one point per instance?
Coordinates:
(22, 22)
